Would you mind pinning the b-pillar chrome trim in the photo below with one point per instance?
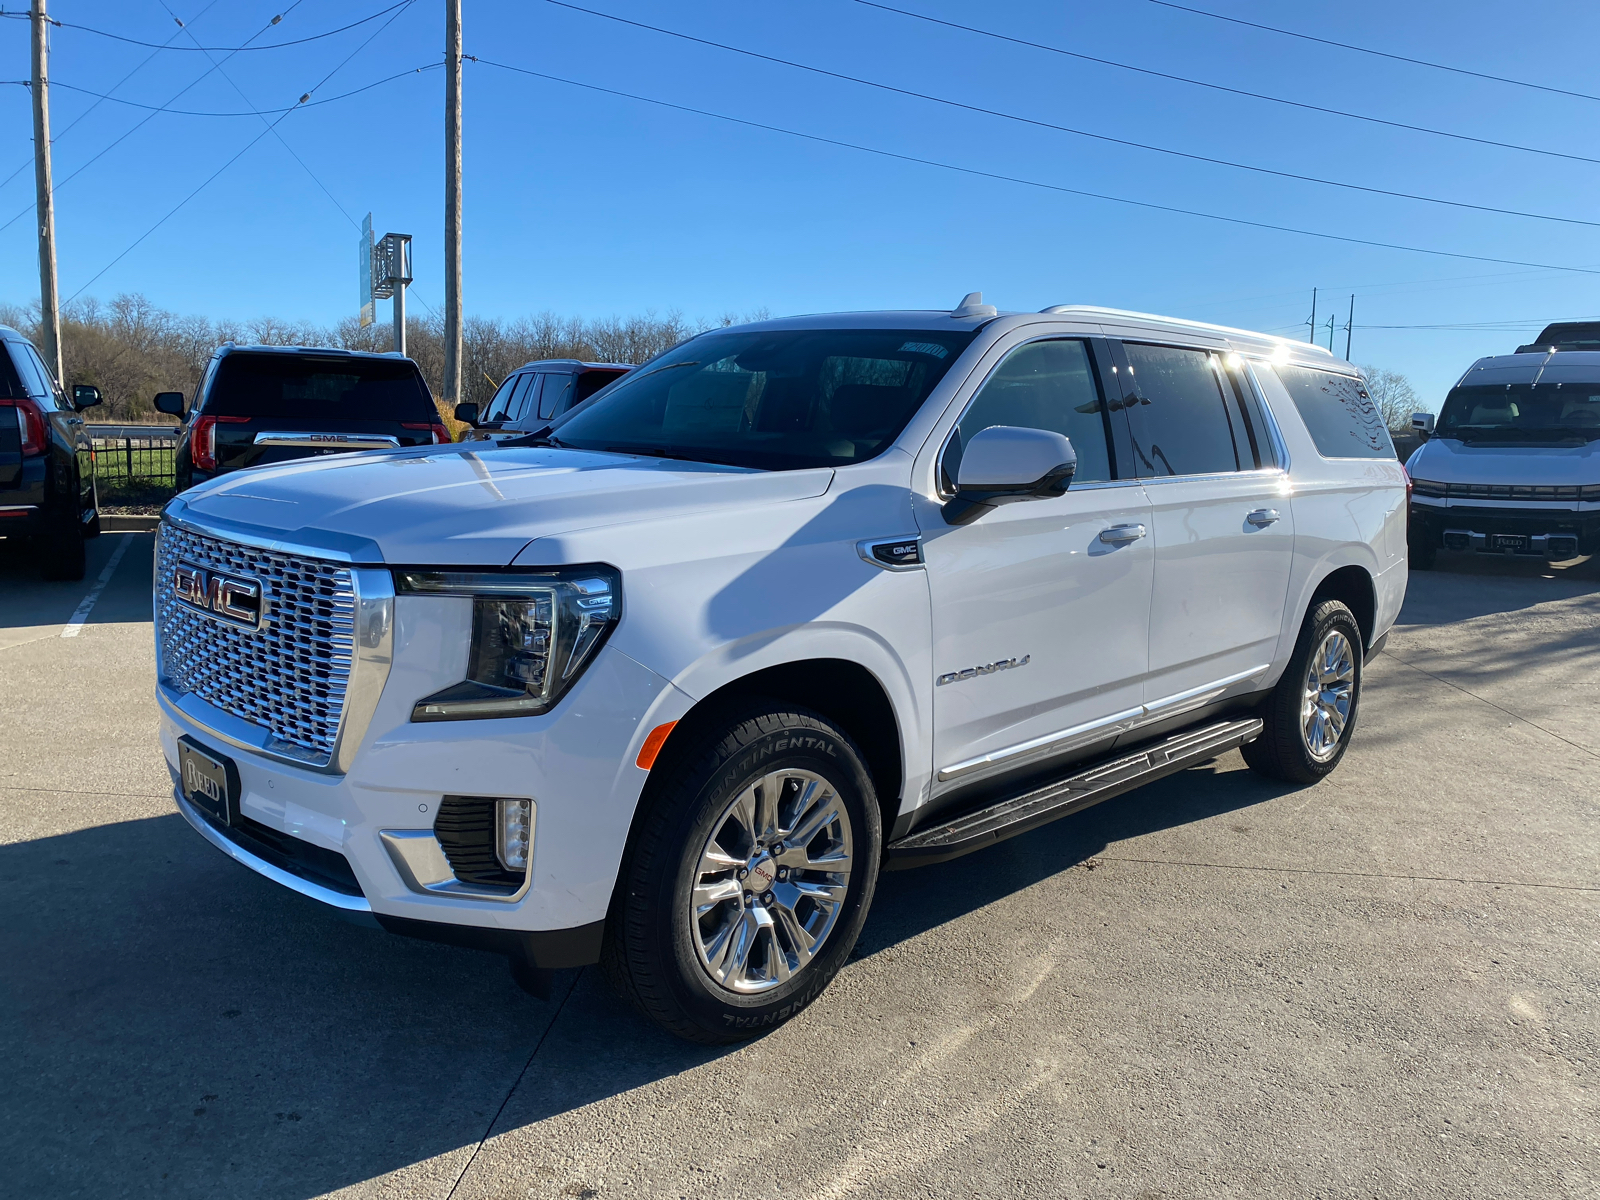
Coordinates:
(374, 655)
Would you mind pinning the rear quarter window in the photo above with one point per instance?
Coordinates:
(1338, 412)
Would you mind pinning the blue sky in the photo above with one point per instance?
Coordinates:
(591, 204)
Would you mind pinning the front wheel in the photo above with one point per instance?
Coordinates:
(1312, 712)
(749, 878)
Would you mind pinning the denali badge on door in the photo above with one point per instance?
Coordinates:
(215, 594)
(209, 781)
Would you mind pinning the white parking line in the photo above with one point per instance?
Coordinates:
(82, 613)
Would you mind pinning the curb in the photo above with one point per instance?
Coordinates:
(128, 523)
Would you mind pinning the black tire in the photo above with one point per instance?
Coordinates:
(653, 948)
(61, 550)
(91, 527)
(1283, 750)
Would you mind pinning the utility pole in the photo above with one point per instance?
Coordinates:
(45, 207)
(1312, 337)
(1330, 333)
(452, 203)
(1349, 326)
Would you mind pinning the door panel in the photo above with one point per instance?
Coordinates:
(1223, 527)
(1039, 623)
(1034, 582)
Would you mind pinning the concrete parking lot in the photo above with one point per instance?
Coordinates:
(1384, 985)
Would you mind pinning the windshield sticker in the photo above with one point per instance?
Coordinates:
(932, 348)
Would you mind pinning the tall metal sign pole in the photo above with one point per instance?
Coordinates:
(452, 203)
(49, 297)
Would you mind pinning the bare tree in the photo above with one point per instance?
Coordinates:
(1393, 394)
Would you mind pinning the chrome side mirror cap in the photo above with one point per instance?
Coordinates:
(1006, 463)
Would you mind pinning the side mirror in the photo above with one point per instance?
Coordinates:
(170, 403)
(1006, 463)
(85, 395)
(467, 413)
(1422, 425)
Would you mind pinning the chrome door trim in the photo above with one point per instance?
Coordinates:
(421, 864)
(1264, 474)
(358, 441)
(1195, 697)
(1077, 735)
(1049, 743)
(260, 866)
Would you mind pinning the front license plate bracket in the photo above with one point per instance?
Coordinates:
(209, 781)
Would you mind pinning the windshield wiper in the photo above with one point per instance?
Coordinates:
(697, 456)
(536, 439)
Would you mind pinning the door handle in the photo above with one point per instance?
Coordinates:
(1262, 517)
(1122, 533)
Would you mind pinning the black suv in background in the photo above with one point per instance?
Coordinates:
(47, 489)
(537, 393)
(266, 404)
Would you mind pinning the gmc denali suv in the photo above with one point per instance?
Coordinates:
(666, 685)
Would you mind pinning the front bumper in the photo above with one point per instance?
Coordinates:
(1550, 532)
(322, 834)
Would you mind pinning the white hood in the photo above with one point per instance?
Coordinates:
(475, 504)
(1445, 460)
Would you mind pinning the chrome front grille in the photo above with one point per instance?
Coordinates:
(291, 676)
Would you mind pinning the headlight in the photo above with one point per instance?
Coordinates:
(1426, 487)
(533, 633)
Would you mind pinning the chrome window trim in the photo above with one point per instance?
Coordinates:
(1279, 447)
(1264, 474)
(356, 904)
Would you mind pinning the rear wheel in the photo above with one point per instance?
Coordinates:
(1312, 712)
(749, 878)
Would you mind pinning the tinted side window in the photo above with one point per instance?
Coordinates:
(35, 375)
(11, 387)
(554, 399)
(1042, 385)
(1180, 418)
(1340, 415)
(525, 404)
(500, 403)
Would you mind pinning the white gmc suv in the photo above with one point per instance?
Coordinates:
(666, 684)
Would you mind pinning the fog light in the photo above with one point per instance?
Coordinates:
(513, 833)
(1458, 541)
(1561, 547)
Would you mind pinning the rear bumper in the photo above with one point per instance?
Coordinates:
(1550, 532)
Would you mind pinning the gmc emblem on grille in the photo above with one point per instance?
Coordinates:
(235, 600)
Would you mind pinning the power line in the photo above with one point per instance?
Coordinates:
(1083, 133)
(216, 49)
(1218, 87)
(273, 125)
(1416, 62)
(249, 112)
(129, 133)
(28, 162)
(1034, 183)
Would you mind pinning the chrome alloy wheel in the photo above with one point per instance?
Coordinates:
(771, 881)
(1329, 693)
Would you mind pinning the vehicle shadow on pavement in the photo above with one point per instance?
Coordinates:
(910, 903)
(200, 1025)
(1464, 586)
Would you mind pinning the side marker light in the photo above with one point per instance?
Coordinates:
(652, 746)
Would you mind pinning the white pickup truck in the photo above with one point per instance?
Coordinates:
(668, 684)
(1512, 463)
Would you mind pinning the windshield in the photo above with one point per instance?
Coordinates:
(778, 400)
(1522, 412)
(291, 386)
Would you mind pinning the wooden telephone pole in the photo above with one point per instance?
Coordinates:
(45, 207)
(452, 203)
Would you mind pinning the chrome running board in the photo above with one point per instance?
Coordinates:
(1086, 787)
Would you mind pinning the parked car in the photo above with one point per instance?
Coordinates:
(1511, 466)
(268, 404)
(795, 602)
(535, 394)
(47, 483)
